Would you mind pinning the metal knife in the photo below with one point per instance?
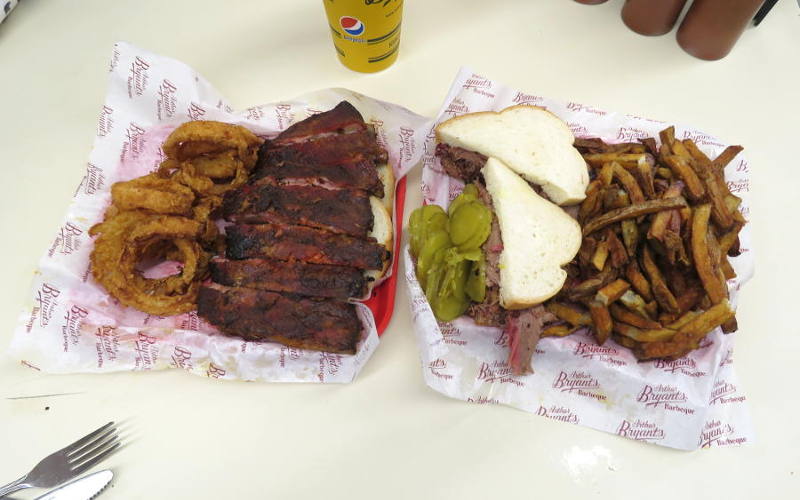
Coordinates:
(84, 488)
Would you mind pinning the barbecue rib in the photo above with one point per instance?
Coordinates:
(303, 238)
(341, 120)
(343, 211)
(360, 174)
(337, 282)
(283, 242)
(292, 320)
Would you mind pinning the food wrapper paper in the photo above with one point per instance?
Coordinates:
(70, 324)
(689, 403)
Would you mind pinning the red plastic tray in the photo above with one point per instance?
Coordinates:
(382, 301)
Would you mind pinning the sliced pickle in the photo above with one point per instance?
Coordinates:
(459, 202)
(470, 226)
(423, 222)
(449, 307)
(439, 239)
(433, 277)
(476, 282)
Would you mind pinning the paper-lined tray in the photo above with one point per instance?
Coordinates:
(688, 403)
(72, 325)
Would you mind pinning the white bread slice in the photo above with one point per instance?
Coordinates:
(386, 175)
(538, 238)
(382, 231)
(532, 141)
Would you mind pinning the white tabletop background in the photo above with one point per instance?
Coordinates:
(387, 435)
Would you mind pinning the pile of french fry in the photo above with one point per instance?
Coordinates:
(659, 224)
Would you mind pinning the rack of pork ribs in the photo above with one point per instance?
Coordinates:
(299, 243)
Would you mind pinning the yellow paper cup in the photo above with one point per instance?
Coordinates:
(366, 33)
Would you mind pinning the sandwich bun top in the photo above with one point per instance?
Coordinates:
(538, 238)
(528, 139)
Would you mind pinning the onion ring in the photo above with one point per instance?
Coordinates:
(166, 216)
(150, 192)
(204, 185)
(205, 137)
(125, 238)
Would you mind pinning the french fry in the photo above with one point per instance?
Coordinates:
(726, 268)
(619, 256)
(667, 137)
(631, 212)
(624, 315)
(683, 319)
(637, 279)
(627, 147)
(664, 173)
(659, 224)
(688, 335)
(559, 330)
(661, 292)
(727, 240)
(628, 182)
(630, 235)
(733, 202)
(635, 303)
(717, 191)
(601, 319)
(673, 245)
(650, 144)
(591, 206)
(600, 255)
(689, 298)
(714, 250)
(612, 292)
(590, 145)
(715, 289)
(592, 285)
(606, 174)
(616, 198)
(730, 326)
(597, 160)
(695, 152)
(570, 314)
(588, 247)
(678, 149)
(624, 341)
(646, 176)
(653, 335)
(680, 167)
(720, 162)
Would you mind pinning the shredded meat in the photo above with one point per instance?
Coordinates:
(459, 162)
(489, 312)
(524, 328)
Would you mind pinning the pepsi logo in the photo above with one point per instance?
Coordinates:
(351, 25)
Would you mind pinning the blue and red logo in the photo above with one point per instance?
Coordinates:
(351, 25)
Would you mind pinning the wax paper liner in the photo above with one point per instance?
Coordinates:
(688, 403)
(70, 324)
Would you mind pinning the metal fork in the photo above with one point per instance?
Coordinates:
(69, 462)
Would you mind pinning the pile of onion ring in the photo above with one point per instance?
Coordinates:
(210, 157)
(166, 216)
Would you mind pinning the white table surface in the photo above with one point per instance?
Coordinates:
(387, 435)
